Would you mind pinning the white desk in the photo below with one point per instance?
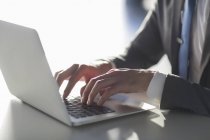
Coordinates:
(19, 121)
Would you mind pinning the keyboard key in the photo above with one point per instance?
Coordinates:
(79, 110)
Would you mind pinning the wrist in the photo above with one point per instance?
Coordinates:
(148, 78)
(102, 65)
(105, 67)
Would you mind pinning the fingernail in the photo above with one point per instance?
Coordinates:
(83, 100)
(88, 102)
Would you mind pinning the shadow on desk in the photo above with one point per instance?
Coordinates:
(23, 122)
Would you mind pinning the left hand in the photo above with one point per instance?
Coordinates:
(116, 81)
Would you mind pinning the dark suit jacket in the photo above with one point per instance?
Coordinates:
(157, 36)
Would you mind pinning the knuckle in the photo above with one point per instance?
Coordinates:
(82, 66)
(98, 83)
(75, 65)
(93, 80)
(72, 68)
(60, 76)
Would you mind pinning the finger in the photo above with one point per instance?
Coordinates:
(82, 90)
(100, 84)
(66, 74)
(56, 74)
(108, 93)
(92, 82)
(74, 79)
(102, 91)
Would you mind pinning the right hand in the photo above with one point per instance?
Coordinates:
(77, 72)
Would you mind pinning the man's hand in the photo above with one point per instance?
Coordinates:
(76, 72)
(116, 81)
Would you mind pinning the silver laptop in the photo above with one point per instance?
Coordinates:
(28, 77)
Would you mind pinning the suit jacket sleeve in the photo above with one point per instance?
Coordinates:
(146, 49)
(181, 94)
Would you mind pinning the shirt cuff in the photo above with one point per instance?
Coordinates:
(155, 89)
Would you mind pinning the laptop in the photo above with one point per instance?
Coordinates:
(28, 76)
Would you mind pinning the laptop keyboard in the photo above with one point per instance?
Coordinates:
(79, 110)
